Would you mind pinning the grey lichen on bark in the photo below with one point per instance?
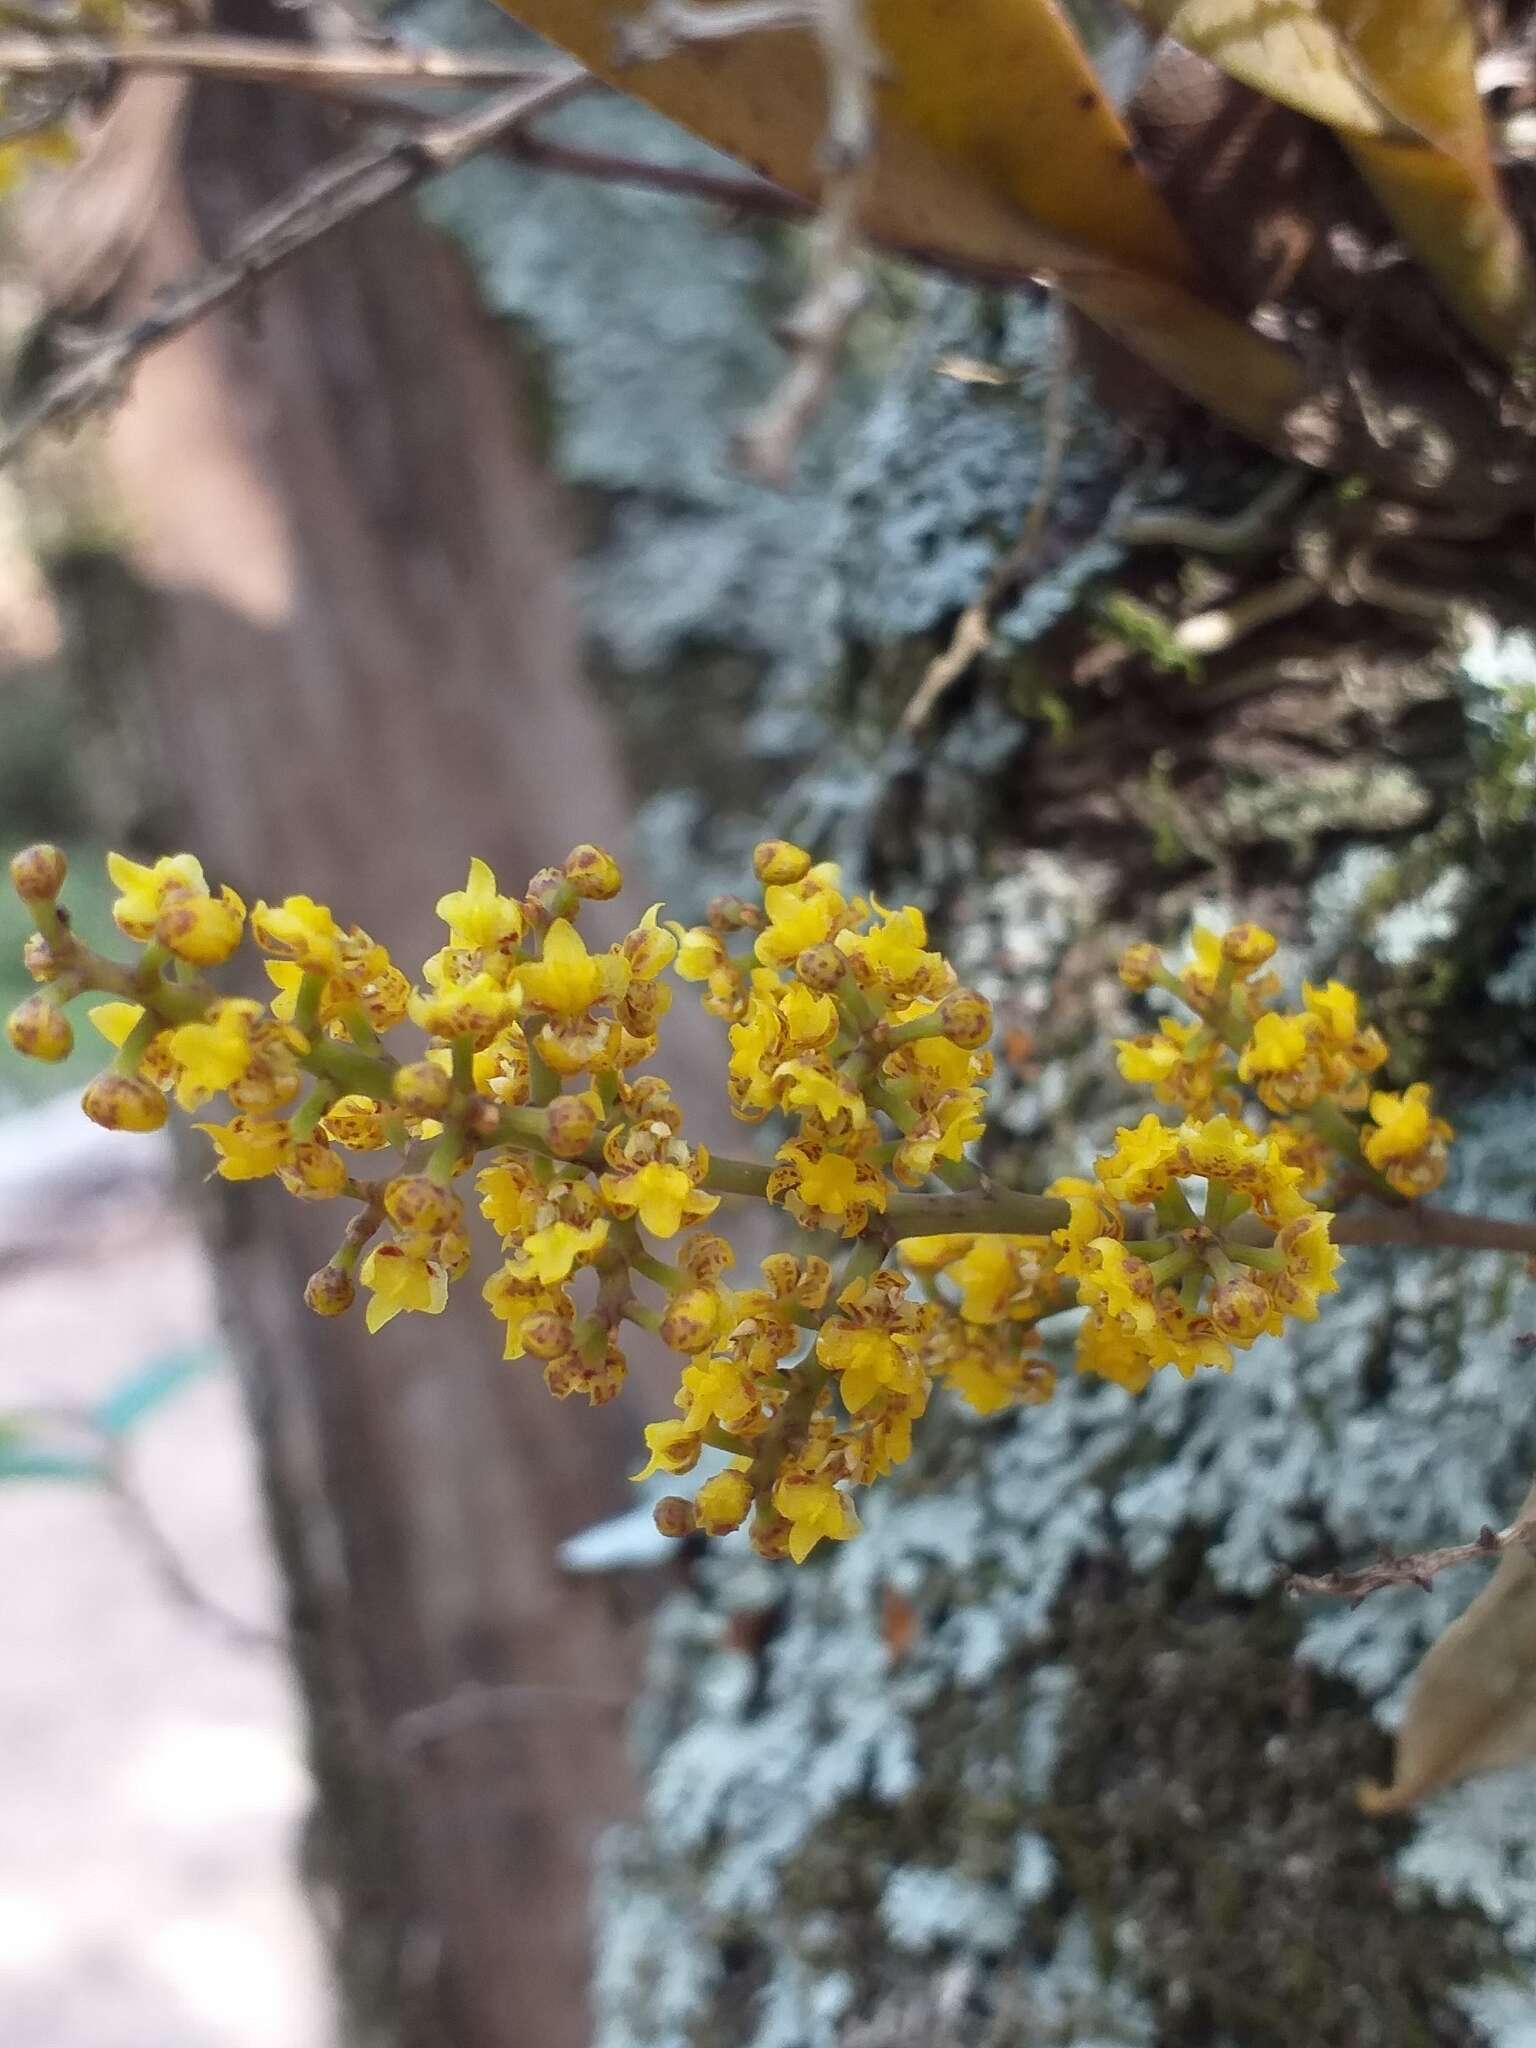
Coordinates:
(1042, 1756)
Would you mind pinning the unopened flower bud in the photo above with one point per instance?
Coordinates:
(572, 1126)
(733, 914)
(313, 1172)
(38, 872)
(777, 861)
(124, 1102)
(423, 1088)
(1140, 966)
(201, 929)
(265, 1088)
(1247, 946)
(547, 1335)
(39, 1029)
(966, 1018)
(416, 1204)
(674, 1516)
(822, 967)
(482, 1119)
(330, 1292)
(39, 958)
(690, 1319)
(551, 895)
(593, 874)
(770, 1532)
(644, 1005)
(705, 1256)
(1240, 1308)
(723, 1503)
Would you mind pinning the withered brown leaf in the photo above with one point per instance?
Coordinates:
(1472, 1706)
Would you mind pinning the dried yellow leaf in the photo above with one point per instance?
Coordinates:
(997, 149)
(1397, 80)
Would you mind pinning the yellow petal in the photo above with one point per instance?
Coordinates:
(114, 1020)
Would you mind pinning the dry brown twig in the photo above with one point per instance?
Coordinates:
(1417, 1568)
(666, 25)
(379, 169)
(476, 1706)
(251, 60)
(355, 183)
(816, 330)
(972, 635)
(114, 1474)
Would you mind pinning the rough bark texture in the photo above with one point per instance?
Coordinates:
(335, 654)
(1095, 1782)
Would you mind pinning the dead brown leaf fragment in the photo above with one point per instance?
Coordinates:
(1472, 1707)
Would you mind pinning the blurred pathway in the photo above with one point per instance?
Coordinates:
(152, 1784)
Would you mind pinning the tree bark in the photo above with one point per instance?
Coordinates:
(353, 664)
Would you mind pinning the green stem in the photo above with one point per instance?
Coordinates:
(443, 1161)
(737, 1177)
(1262, 1259)
(355, 1017)
(306, 1008)
(354, 1072)
(543, 1081)
(990, 1211)
(655, 1269)
(1171, 1265)
(722, 1440)
(464, 1064)
(311, 1109)
(136, 1044)
(867, 1257)
(892, 1035)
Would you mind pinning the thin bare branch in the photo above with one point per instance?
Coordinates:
(972, 635)
(1418, 1568)
(253, 61)
(818, 327)
(338, 192)
(1212, 632)
(112, 1471)
(740, 193)
(475, 1706)
(667, 25)
(1416, 1223)
(1258, 524)
(170, 1568)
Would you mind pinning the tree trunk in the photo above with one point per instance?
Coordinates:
(352, 664)
(1043, 1755)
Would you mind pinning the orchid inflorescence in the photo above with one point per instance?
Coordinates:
(912, 1268)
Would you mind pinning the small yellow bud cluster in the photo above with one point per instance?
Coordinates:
(1309, 1069)
(842, 1020)
(528, 1100)
(1199, 1281)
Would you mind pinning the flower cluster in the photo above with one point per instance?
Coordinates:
(524, 1106)
(1309, 1069)
(845, 1023)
